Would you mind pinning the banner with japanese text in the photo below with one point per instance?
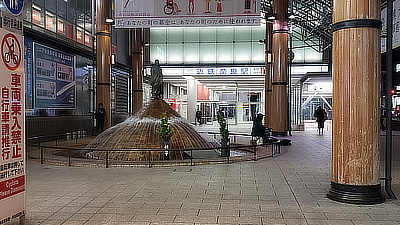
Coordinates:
(12, 157)
(184, 13)
(54, 77)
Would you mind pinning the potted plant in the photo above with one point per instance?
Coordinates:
(223, 130)
(165, 133)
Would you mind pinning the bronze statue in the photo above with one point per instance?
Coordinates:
(156, 81)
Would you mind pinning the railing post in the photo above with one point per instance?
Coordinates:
(272, 149)
(255, 152)
(69, 157)
(56, 142)
(41, 155)
(76, 138)
(149, 159)
(191, 157)
(106, 159)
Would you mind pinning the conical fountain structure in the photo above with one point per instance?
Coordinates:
(139, 132)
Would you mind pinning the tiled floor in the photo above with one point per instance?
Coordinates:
(288, 189)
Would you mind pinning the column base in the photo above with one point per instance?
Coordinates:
(279, 134)
(356, 194)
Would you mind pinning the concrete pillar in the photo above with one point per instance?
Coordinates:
(268, 74)
(191, 99)
(103, 55)
(137, 69)
(279, 99)
(356, 101)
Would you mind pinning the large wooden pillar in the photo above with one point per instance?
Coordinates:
(137, 69)
(279, 67)
(103, 55)
(268, 74)
(356, 101)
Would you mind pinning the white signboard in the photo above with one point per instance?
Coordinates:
(184, 13)
(396, 26)
(12, 153)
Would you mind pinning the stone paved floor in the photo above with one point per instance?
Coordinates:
(288, 189)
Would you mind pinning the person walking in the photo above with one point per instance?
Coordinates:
(321, 117)
(198, 116)
(100, 116)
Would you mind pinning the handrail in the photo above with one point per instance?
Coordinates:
(143, 149)
(274, 145)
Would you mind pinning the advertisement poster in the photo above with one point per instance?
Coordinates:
(54, 75)
(12, 157)
(176, 13)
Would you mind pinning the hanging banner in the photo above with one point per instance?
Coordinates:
(12, 157)
(184, 13)
(54, 78)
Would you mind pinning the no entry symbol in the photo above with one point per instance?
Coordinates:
(11, 51)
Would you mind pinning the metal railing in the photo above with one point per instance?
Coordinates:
(250, 149)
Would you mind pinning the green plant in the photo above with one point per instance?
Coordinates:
(165, 132)
(223, 130)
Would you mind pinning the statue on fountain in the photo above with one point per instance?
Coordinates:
(156, 81)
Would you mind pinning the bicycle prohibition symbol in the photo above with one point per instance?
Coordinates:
(171, 7)
(11, 51)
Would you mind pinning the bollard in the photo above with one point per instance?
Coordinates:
(106, 159)
(191, 157)
(41, 155)
(149, 160)
(255, 152)
(69, 157)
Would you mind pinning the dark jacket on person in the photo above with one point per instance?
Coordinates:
(321, 117)
(100, 114)
(258, 129)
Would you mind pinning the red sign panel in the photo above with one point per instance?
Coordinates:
(12, 187)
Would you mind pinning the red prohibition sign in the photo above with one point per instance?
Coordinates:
(11, 51)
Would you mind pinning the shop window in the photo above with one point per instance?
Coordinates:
(37, 15)
(71, 31)
(28, 8)
(62, 8)
(50, 22)
(80, 20)
(51, 6)
(88, 22)
(79, 35)
(61, 27)
(88, 39)
(71, 15)
(38, 2)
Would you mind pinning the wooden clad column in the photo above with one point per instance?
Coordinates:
(137, 69)
(279, 67)
(103, 55)
(356, 101)
(268, 74)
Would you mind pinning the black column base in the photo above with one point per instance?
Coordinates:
(279, 134)
(356, 194)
